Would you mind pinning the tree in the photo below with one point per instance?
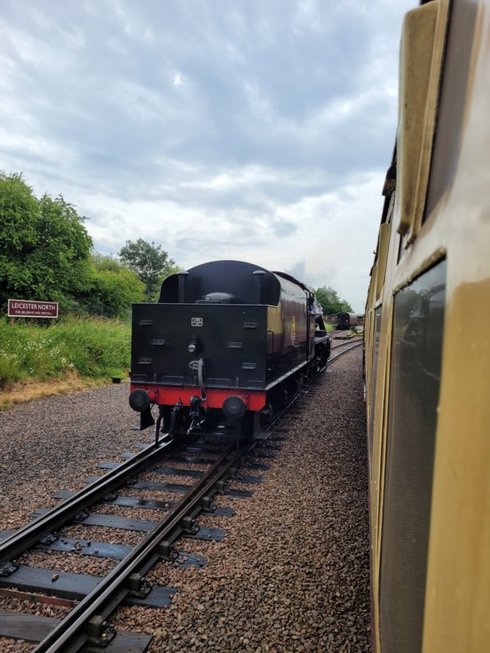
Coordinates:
(331, 302)
(112, 288)
(19, 212)
(150, 263)
(62, 250)
(44, 247)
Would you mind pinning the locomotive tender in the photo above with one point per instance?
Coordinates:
(426, 362)
(226, 344)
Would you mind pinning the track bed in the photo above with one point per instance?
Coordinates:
(293, 572)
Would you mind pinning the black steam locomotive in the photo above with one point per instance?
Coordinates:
(224, 347)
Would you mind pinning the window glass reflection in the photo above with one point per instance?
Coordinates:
(415, 379)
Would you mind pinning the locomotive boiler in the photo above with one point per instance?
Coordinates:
(224, 347)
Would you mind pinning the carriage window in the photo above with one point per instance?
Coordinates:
(384, 241)
(421, 56)
(374, 367)
(414, 395)
(457, 76)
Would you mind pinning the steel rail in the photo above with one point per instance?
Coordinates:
(68, 635)
(28, 535)
(345, 343)
(332, 359)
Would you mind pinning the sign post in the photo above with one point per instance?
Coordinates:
(32, 308)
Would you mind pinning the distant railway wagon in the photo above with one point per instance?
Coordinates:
(348, 320)
(330, 319)
(426, 364)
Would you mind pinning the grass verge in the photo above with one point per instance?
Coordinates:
(70, 354)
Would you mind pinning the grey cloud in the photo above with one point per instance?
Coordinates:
(211, 117)
(238, 112)
(297, 270)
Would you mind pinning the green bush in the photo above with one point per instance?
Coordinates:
(94, 347)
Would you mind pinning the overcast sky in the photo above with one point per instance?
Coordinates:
(258, 130)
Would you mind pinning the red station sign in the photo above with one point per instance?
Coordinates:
(28, 308)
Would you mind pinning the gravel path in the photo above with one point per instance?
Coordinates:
(292, 576)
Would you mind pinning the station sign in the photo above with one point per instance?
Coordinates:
(32, 308)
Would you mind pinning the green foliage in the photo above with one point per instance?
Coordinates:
(331, 302)
(94, 348)
(112, 288)
(45, 254)
(407, 302)
(98, 347)
(150, 263)
(44, 247)
(103, 263)
(19, 211)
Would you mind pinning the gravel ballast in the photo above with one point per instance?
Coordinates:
(56, 443)
(291, 576)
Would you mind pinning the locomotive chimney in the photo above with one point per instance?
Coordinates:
(259, 286)
(182, 287)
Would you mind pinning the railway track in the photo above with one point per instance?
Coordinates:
(85, 627)
(343, 348)
(93, 599)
